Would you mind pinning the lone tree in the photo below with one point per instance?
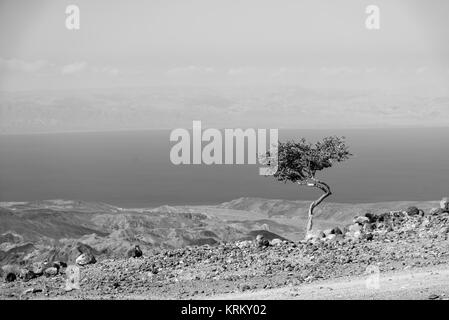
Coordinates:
(298, 162)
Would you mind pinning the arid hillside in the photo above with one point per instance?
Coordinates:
(379, 247)
(35, 231)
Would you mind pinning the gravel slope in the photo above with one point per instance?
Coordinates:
(389, 242)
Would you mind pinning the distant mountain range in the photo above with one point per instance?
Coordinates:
(224, 107)
(52, 229)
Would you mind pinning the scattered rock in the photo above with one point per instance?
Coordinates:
(371, 217)
(355, 228)
(26, 274)
(244, 287)
(51, 272)
(85, 258)
(10, 277)
(38, 268)
(436, 211)
(412, 211)
(276, 242)
(444, 230)
(135, 252)
(261, 242)
(244, 244)
(31, 290)
(331, 236)
(391, 240)
(444, 204)
(336, 231)
(360, 220)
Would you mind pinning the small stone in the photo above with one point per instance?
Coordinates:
(433, 297)
(444, 230)
(244, 287)
(32, 290)
(368, 236)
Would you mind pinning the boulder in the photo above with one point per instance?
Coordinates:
(437, 211)
(336, 231)
(444, 204)
(26, 274)
(354, 228)
(261, 242)
(135, 252)
(368, 227)
(356, 235)
(360, 220)
(51, 272)
(38, 268)
(331, 236)
(9, 272)
(244, 244)
(10, 277)
(368, 236)
(309, 237)
(85, 258)
(276, 242)
(412, 211)
(327, 232)
(59, 264)
(371, 217)
(83, 248)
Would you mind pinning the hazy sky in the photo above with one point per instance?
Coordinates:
(316, 44)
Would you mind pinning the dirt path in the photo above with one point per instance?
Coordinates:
(407, 284)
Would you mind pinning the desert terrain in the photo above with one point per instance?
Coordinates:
(248, 248)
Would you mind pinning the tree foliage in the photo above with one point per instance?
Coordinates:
(298, 161)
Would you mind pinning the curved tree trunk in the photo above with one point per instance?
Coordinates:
(327, 192)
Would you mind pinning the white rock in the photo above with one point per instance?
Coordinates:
(354, 228)
(84, 259)
(444, 204)
(331, 237)
(276, 242)
(360, 220)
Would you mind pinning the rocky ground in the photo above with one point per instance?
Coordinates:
(393, 241)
